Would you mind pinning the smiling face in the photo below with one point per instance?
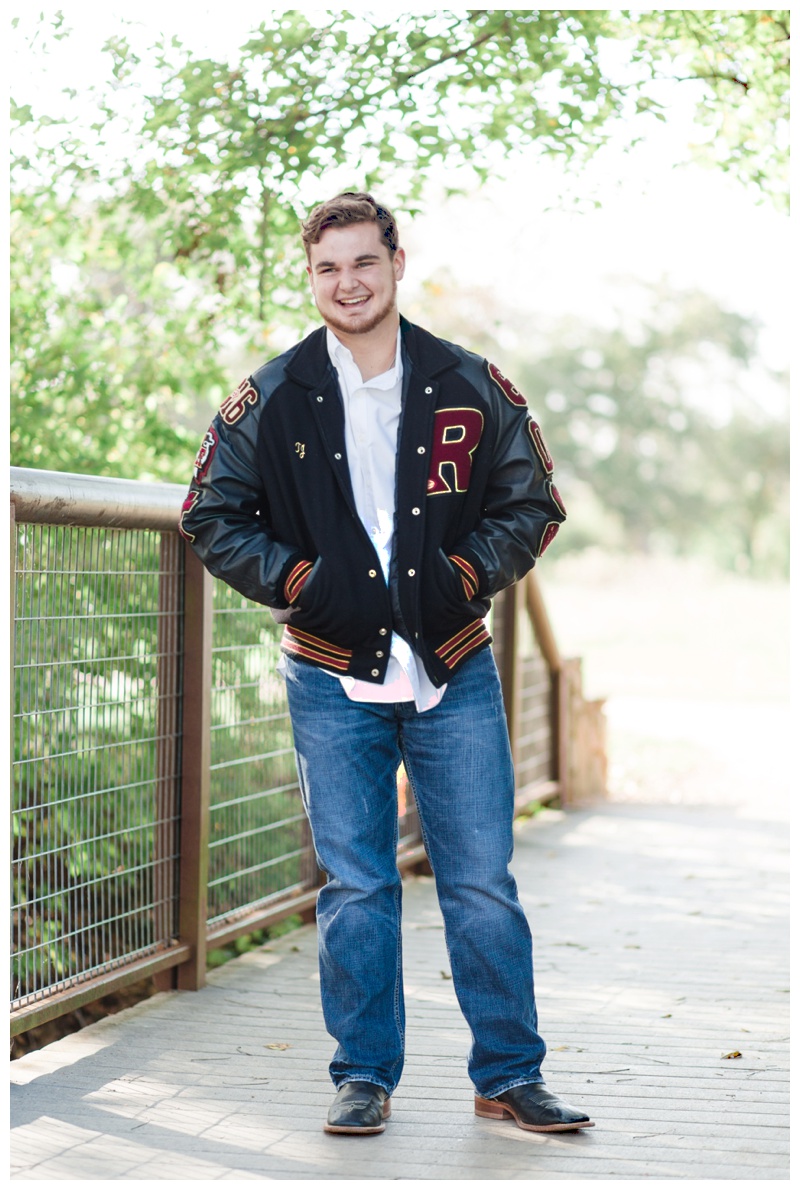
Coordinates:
(354, 278)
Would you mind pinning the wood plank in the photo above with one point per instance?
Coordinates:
(185, 1086)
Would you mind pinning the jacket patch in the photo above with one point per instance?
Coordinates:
(305, 644)
(205, 454)
(456, 434)
(469, 638)
(236, 405)
(539, 446)
(556, 498)
(550, 531)
(508, 389)
(187, 506)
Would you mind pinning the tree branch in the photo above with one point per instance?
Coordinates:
(456, 54)
(715, 76)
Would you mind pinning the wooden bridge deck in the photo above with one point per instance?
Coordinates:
(661, 945)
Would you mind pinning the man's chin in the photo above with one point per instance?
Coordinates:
(359, 324)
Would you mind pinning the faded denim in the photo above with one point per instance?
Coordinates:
(458, 761)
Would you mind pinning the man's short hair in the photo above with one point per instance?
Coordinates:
(346, 209)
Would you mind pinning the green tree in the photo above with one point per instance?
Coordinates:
(99, 336)
(167, 228)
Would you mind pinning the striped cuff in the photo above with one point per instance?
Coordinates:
(464, 642)
(296, 580)
(469, 576)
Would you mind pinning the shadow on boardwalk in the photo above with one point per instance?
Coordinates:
(661, 946)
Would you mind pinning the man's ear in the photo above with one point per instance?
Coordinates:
(399, 263)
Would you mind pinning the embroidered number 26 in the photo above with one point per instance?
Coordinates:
(235, 406)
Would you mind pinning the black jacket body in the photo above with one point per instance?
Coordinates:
(271, 511)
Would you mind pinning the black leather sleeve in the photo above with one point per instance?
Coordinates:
(522, 508)
(225, 515)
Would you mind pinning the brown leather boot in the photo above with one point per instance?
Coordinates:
(534, 1108)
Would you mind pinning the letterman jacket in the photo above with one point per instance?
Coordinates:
(271, 511)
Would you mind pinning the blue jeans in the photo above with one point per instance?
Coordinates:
(458, 762)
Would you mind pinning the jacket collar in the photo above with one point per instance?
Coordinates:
(309, 362)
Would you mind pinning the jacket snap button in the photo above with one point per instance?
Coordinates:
(415, 512)
(337, 455)
(373, 573)
(429, 390)
(375, 673)
(319, 399)
(383, 631)
(420, 450)
(379, 653)
(411, 573)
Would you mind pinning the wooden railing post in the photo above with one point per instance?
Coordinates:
(560, 701)
(561, 734)
(12, 691)
(195, 769)
(505, 633)
(168, 733)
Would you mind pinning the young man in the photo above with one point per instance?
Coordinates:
(376, 486)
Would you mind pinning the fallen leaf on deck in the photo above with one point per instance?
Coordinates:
(732, 1054)
(278, 1045)
(446, 975)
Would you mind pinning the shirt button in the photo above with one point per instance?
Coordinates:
(379, 653)
(383, 631)
(373, 574)
(415, 512)
(375, 673)
(420, 450)
(411, 573)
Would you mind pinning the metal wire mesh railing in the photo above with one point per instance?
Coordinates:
(96, 752)
(259, 843)
(155, 803)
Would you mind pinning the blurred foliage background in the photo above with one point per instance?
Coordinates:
(156, 258)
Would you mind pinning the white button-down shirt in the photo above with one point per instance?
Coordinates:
(371, 420)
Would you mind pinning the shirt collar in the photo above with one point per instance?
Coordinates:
(342, 357)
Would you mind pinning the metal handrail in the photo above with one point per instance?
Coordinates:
(66, 498)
